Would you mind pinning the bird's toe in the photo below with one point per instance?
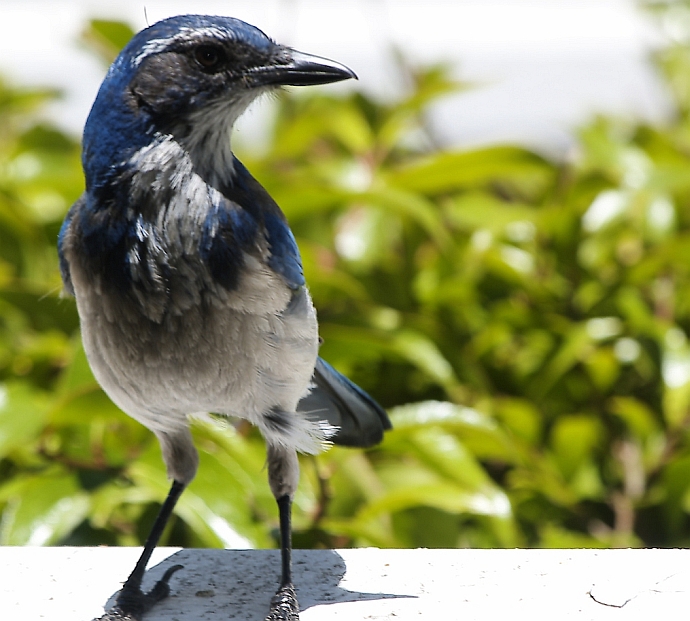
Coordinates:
(284, 606)
(132, 603)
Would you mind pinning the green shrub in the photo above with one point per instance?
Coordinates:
(525, 322)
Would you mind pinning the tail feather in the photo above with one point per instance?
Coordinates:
(359, 419)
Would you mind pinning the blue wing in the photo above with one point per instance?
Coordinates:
(285, 258)
(261, 213)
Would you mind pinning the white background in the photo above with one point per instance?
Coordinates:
(541, 67)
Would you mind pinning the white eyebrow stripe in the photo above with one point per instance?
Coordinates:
(155, 46)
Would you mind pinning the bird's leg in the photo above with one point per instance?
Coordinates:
(283, 474)
(285, 511)
(284, 606)
(132, 603)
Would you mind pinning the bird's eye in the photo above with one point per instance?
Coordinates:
(208, 56)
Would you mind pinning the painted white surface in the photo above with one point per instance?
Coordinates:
(541, 66)
(75, 583)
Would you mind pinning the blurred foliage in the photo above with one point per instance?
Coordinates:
(525, 322)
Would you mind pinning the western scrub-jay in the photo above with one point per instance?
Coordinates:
(187, 278)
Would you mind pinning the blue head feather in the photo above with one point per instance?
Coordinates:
(115, 129)
(163, 188)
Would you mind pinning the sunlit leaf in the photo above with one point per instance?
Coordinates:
(41, 510)
(475, 169)
(23, 412)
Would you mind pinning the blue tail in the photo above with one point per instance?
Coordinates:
(360, 420)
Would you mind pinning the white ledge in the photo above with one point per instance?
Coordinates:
(74, 584)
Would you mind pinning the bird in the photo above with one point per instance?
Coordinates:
(187, 277)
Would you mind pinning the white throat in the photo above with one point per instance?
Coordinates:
(208, 137)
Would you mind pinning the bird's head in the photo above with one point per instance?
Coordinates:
(191, 77)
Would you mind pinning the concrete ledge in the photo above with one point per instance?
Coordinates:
(74, 584)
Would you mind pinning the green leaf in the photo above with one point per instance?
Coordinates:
(425, 354)
(77, 376)
(444, 496)
(23, 412)
(449, 458)
(42, 511)
(636, 415)
(574, 439)
(478, 431)
(106, 38)
(474, 169)
(576, 345)
(412, 206)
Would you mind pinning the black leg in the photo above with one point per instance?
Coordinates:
(284, 606)
(285, 510)
(132, 603)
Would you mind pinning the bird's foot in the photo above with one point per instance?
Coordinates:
(284, 606)
(132, 603)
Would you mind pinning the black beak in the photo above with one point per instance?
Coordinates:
(303, 70)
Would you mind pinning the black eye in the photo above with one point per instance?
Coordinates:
(208, 56)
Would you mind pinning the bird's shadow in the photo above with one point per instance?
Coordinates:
(239, 584)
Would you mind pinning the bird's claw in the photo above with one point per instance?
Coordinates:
(132, 603)
(284, 606)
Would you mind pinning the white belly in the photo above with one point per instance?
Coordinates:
(211, 358)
